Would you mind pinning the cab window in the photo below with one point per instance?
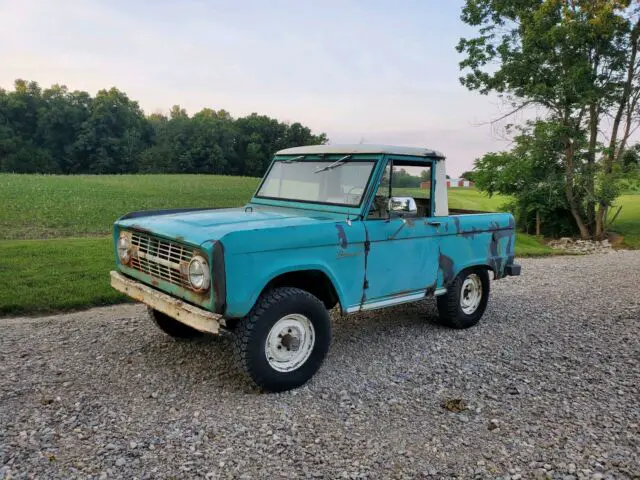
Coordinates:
(404, 190)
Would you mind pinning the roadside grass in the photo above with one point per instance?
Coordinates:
(39, 276)
(56, 252)
(530, 246)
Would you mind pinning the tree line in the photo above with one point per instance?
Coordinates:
(56, 130)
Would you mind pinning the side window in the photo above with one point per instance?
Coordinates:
(413, 181)
(403, 180)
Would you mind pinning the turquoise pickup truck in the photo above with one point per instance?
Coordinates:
(330, 226)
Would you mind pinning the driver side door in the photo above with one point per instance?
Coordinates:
(402, 259)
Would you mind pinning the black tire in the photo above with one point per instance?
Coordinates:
(172, 327)
(450, 305)
(252, 333)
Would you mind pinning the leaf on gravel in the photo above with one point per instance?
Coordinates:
(513, 390)
(455, 405)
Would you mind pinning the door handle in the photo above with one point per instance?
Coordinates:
(434, 224)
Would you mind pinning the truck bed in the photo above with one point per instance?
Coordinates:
(460, 211)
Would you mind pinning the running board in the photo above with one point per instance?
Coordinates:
(388, 302)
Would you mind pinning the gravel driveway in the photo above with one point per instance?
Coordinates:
(550, 380)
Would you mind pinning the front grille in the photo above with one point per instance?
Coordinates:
(161, 259)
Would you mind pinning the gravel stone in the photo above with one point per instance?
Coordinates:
(550, 379)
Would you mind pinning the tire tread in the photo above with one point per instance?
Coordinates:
(247, 325)
(449, 304)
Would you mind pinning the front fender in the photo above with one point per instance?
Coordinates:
(243, 294)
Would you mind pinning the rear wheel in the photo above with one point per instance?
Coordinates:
(466, 299)
(172, 327)
(284, 339)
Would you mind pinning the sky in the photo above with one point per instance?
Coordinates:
(367, 71)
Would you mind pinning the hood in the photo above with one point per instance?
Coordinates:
(199, 226)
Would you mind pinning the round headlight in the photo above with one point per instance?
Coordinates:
(123, 249)
(199, 273)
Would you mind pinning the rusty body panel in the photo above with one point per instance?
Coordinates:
(195, 317)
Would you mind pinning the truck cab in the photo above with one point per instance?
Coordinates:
(329, 226)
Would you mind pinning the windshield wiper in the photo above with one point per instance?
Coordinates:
(334, 164)
(292, 160)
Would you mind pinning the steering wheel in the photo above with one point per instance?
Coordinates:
(352, 189)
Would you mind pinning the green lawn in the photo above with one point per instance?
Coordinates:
(43, 269)
(58, 274)
(45, 206)
(628, 222)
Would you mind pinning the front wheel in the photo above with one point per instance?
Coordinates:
(466, 299)
(284, 339)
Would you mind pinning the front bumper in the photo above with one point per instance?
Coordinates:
(190, 315)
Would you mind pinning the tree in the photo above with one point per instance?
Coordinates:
(469, 175)
(18, 135)
(533, 176)
(631, 159)
(60, 119)
(113, 137)
(403, 179)
(578, 60)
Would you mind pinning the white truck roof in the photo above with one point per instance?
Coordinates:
(361, 148)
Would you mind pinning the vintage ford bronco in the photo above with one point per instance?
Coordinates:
(328, 226)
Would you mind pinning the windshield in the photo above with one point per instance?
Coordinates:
(343, 183)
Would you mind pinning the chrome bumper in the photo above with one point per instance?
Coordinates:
(195, 317)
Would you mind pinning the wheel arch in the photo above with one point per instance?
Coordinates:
(475, 265)
(314, 280)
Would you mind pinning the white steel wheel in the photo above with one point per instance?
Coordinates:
(290, 342)
(471, 294)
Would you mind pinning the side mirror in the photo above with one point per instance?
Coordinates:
(402, 207)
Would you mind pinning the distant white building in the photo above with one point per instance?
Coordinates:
(459, 183)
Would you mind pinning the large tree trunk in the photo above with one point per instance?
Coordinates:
(568, 190)
(627, 93)
(594, 113)
(600, 217)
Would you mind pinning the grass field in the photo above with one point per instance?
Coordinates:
(45, 206)
(55, 248)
